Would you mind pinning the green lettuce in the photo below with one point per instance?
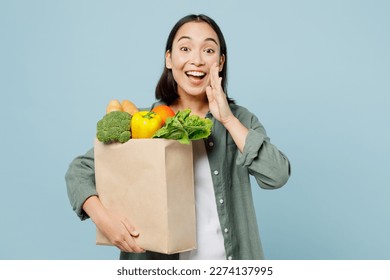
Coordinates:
(185, 127)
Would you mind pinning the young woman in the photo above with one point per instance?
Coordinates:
(195, 77)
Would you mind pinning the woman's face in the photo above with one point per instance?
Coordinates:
(195, 49)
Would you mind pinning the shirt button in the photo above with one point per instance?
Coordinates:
(211, 144)
(226, 229)
(216, 172)
(221, 201)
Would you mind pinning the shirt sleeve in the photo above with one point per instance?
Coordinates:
(80, 182)
(265, 162)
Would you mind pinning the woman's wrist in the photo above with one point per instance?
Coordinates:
(230, 122)
(94, 208)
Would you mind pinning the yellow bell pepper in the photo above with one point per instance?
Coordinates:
(144, 124)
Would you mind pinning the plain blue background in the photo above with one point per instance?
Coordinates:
(315, 72)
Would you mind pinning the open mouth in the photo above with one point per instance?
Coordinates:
(195, 74)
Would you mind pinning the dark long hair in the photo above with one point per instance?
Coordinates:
(166, 89)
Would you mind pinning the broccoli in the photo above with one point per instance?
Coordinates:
(114, 127)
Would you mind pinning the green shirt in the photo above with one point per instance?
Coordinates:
(230, 170)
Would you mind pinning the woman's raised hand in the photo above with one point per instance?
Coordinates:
(219, 107)
(218, 104)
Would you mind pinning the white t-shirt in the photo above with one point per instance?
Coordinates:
(210, 243)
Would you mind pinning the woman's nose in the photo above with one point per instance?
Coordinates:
(197, 59)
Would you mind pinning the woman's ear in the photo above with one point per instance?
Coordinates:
(221, 62)
(168, 61)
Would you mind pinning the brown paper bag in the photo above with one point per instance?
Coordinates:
(151, 182)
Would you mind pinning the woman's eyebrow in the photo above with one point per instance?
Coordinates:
(212, 40)
(184, 37)
(189, 38)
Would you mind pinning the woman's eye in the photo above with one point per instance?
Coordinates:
(184, 49)
(210, 51)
